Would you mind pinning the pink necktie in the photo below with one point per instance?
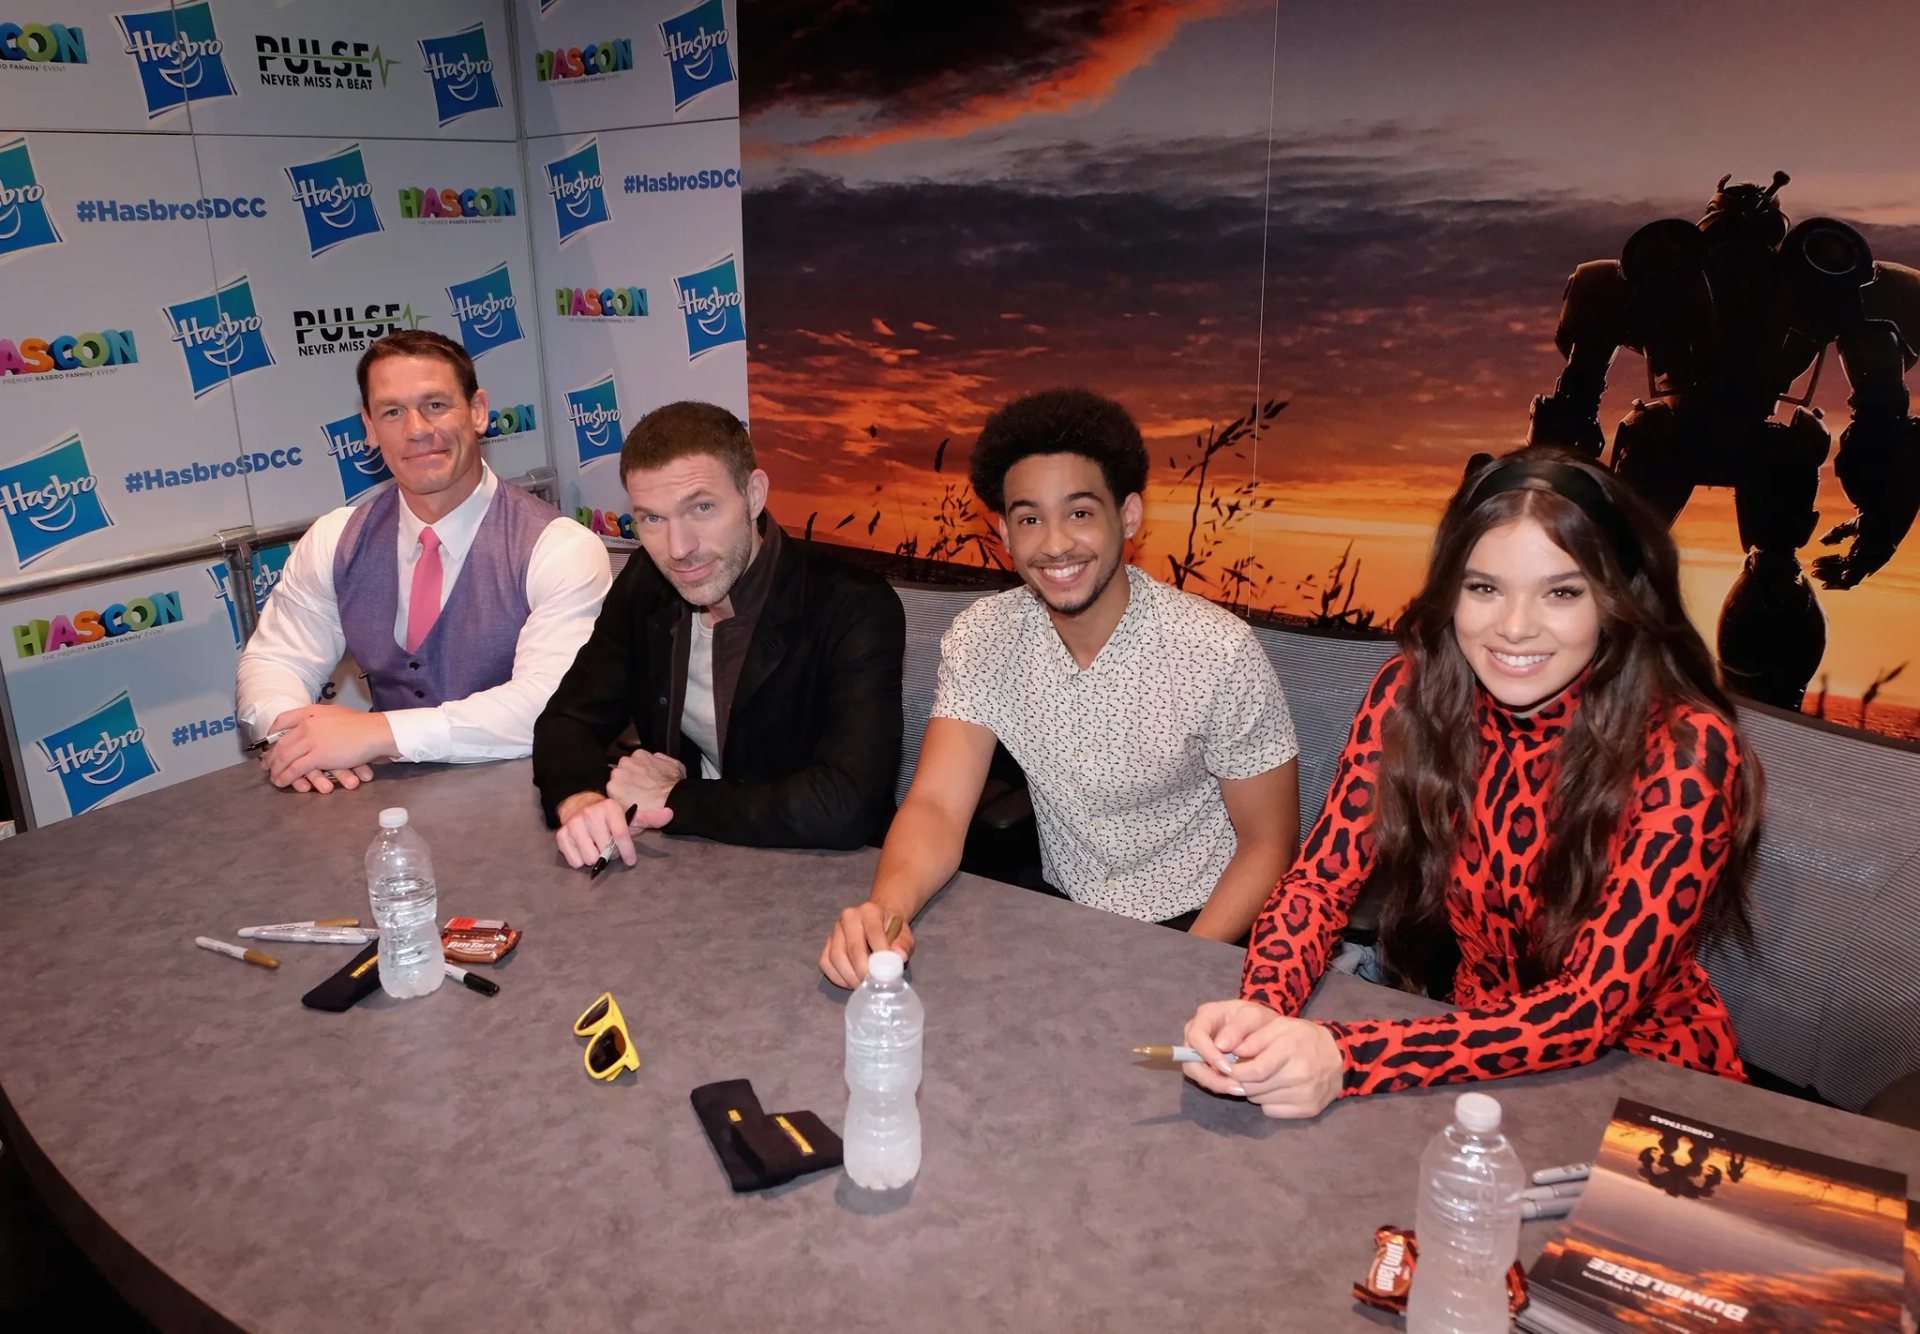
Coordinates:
(423, 607)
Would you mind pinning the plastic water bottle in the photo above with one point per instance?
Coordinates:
(405, 907)
(1467, 1224)
(885, 1021)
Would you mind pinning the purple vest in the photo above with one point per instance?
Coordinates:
(470, 647)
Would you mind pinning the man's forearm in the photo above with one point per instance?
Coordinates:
(921, 854)
(1241, 892)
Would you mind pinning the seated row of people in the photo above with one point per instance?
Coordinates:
(1546, 786)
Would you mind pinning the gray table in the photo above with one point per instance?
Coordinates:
(234, 1160)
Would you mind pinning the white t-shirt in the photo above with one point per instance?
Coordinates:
(696, 714)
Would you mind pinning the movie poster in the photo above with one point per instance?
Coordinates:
(1319, 251)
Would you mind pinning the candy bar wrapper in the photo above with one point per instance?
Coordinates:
(468, 940)
(1390, 1277)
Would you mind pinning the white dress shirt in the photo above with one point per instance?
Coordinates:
(299, 640)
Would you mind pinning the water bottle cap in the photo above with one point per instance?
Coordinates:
(885, 966)
(393, 817)
(1477, 1112)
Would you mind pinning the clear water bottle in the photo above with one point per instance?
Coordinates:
(885, 1021)
(405, 903)
(1467, 1224)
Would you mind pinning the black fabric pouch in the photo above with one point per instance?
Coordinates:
(758, 1150)
(351, 985)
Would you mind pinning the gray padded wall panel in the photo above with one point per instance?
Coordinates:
(929, 612)
(1324, 679)
(1830, 996)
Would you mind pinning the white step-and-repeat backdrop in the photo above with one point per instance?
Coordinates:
(206, 213)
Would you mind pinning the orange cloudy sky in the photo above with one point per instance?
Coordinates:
(1365, 209)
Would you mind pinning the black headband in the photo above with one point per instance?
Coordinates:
(1570, 483)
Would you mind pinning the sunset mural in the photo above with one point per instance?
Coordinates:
(1365, 212)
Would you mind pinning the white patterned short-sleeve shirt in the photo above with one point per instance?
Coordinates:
(1123, 760)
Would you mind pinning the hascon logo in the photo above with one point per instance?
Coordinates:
(221, 335)
(594, 413)
(24, 220)
(72, 353)
(487, 311)
(50, 499)
(336, 199)
(178, 55)
(578, 190)
(695, 45)
(102, 754)
(462, 73)
(41, 44)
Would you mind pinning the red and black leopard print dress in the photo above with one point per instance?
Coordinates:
(1630, 979)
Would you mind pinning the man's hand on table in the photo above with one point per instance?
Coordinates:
(859, 932)
(326, 745)
(1291, 1068)
(591, 820)
(644, 779)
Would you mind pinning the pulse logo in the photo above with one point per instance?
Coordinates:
(178, 55)
(361, 466)
(67, 352)
(710, 300)
(51, 499)
(41, 44)
(578, 190)
(695, 44)
(303, 63)
(24, 220)
(221, 336)
(462, 73)
(595, 414)
(336, 199)
(485, 308)
(104, 753)
(349, 328)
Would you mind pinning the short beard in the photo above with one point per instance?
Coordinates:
(1107, 572)
(733, 564)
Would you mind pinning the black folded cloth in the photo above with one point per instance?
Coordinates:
(759, 1149)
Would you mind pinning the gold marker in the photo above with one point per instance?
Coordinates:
(895, 923)
(235, 951)
(1178, 1055)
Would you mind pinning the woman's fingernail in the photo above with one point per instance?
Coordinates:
(1236, 1091)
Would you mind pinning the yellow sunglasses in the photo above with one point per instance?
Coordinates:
(611, 1049)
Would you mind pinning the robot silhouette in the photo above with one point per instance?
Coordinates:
(1729, 314)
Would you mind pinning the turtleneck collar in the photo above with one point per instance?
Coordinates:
(1543, 722)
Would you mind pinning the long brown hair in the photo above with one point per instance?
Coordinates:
(1650, 662)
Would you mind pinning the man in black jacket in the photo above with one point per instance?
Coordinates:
(762, 678)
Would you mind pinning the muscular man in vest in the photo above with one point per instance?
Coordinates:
(462, 597)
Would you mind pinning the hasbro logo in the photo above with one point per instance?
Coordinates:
(50, 499)
(578, 190)
(710, 300)
(595, 414)
(24, 221)
(485, 308)
(336, 199)
(220, 335)
(267, 565)
(461, 71)
(104, 753)
(362, 467)
(695, 44)
(178, 55)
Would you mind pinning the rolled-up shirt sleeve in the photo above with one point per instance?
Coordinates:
(568, 575)
(298, 641)
(1249, 729)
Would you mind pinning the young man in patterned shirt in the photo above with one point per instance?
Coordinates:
(1156, 741)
